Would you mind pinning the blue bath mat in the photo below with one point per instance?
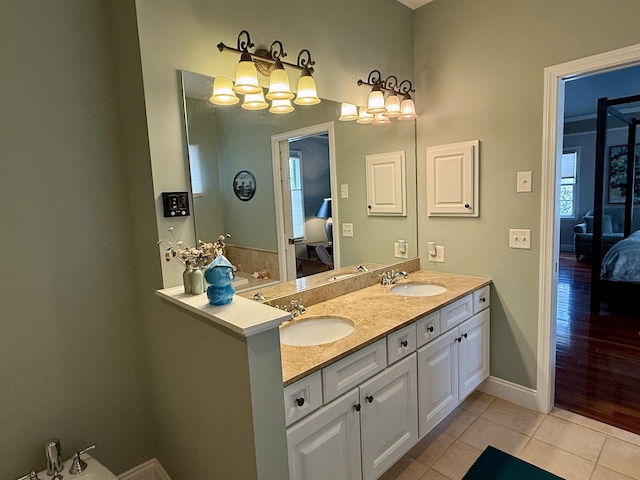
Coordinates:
(495, 464)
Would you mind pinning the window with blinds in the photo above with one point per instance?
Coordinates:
(569, 184)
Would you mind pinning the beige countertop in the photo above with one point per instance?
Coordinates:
(375, 312)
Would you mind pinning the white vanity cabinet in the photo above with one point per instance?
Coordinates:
(379, 401)
(326, 444)
(361, 434)
(388, 417)
(450, 368)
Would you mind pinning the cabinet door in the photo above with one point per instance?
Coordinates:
(389, 417)
(326, 444)
(452, 179)
(437, 380)
(474, 352)
(386, 184)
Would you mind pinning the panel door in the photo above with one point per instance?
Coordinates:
(437, 380)
(452, 179)
(389, 417)
(474, 352)
(386, 184)
(326, 444)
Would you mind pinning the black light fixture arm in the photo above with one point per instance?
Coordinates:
(275, 53)
(390, 84)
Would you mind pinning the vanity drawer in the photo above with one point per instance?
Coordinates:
(401, 343)
(456, 313)
(428, 328)
(353, 370)
(303, 397)
(481, 299)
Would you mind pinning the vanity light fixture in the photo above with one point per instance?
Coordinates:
(254, 101)
(379, 110)
(364, 117)
(348, 112)
(223, 93)
(270, 63)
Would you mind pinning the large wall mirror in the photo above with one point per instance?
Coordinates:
(231, 160)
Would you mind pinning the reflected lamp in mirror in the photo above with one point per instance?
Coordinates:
(254, 101)
(348, 112)
(223, 93)
(364, 117)
(325, 212)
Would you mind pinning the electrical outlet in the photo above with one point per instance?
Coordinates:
(439, 256)
(520, 238)
(347, 229)
(344, 190)
(400, 250)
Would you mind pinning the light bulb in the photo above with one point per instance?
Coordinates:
(246, 76)
(279, 84)
(307, 94)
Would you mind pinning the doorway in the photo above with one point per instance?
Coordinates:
(554, 92)
(304, 185)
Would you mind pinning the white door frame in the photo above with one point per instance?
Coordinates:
(278, 189)
(553, 119)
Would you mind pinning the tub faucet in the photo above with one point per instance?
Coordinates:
(389, 278)
(52, 451)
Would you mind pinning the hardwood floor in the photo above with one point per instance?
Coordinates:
(598, 355)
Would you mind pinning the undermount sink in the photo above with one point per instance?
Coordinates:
(315, 331)
(417, 289)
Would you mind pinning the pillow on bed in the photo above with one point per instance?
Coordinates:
(606, 224)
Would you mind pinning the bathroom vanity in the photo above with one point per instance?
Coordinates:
(350, 408)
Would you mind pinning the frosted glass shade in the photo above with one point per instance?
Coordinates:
(380, 119)
(392, 105)
(279, 85)
(364, 117)
(254, 101)
(223, 93)
(281, 106)
(246, 76)
(407, 110)
(307, 94)
(376, 102)
(348, 112)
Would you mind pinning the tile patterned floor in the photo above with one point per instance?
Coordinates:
(569, 445)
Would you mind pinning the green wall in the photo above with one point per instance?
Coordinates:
(71, 345)
(479, 75)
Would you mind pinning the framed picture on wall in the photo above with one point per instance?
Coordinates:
(617, 183)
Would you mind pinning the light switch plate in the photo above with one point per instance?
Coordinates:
(344, 190)
(520, 238)
(347, 229)
(439, 256)
(398, 250)
(524, 182)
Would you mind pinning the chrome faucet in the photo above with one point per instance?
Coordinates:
(362, 268)
(52, 451)
(389, 278)
(295, 307)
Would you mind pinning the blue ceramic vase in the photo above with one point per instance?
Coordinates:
(219, 275)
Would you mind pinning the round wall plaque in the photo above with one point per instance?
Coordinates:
(244, 185)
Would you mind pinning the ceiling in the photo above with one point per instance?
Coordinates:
(581, 95)
(413, 4)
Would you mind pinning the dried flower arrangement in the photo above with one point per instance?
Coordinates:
(192, 257)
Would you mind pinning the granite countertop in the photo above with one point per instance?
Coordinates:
(376, 312)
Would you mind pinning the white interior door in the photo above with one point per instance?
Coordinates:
(282, 192)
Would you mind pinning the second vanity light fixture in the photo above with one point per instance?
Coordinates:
(270, 64)
(379, 110)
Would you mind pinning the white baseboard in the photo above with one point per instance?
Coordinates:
(511, 392)
(150, 470)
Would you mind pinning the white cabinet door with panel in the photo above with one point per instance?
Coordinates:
(474, 353)
(386, 184)
(326, 444)
(388, 417)
(437, 380)
(452, 179)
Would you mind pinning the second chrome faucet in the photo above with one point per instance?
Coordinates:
(389, 278)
